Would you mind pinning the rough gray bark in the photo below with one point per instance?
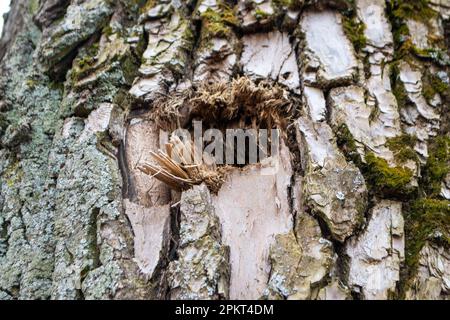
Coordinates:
(359, 206)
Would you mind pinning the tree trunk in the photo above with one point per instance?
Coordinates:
(355, 205)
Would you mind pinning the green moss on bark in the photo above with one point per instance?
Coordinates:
(402, 10)
(432, 85)
(148, 5)
(354, 31)
(425, 219)
(347, 144)
(398, 88)
(218, 24)
(437, 166)
(387, 181)
(85, 61)
(412, 9)
(13, 173)
(382, 180)
(403, 147)
(437, 55)
(260, 14)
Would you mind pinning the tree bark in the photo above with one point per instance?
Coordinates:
(356, 208)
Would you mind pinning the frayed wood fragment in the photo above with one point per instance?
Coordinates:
(181, 175)
(268, 105)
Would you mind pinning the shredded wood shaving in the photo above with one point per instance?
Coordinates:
(176, 167)
(267, 105)
(240, 102)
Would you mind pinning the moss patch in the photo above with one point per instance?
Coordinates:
(260, 14)
(355, 32)
(412, 9)
(398, 88)
(347, 144)
(219, 23)
(403, 147)
(399, 12)
(13, 173)
(148, 5)
(437, 55)
(108, 30)
(384, 180)
(437, 166)
(432, 84)
(33, 6)
(85, 61)
(425, 219)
